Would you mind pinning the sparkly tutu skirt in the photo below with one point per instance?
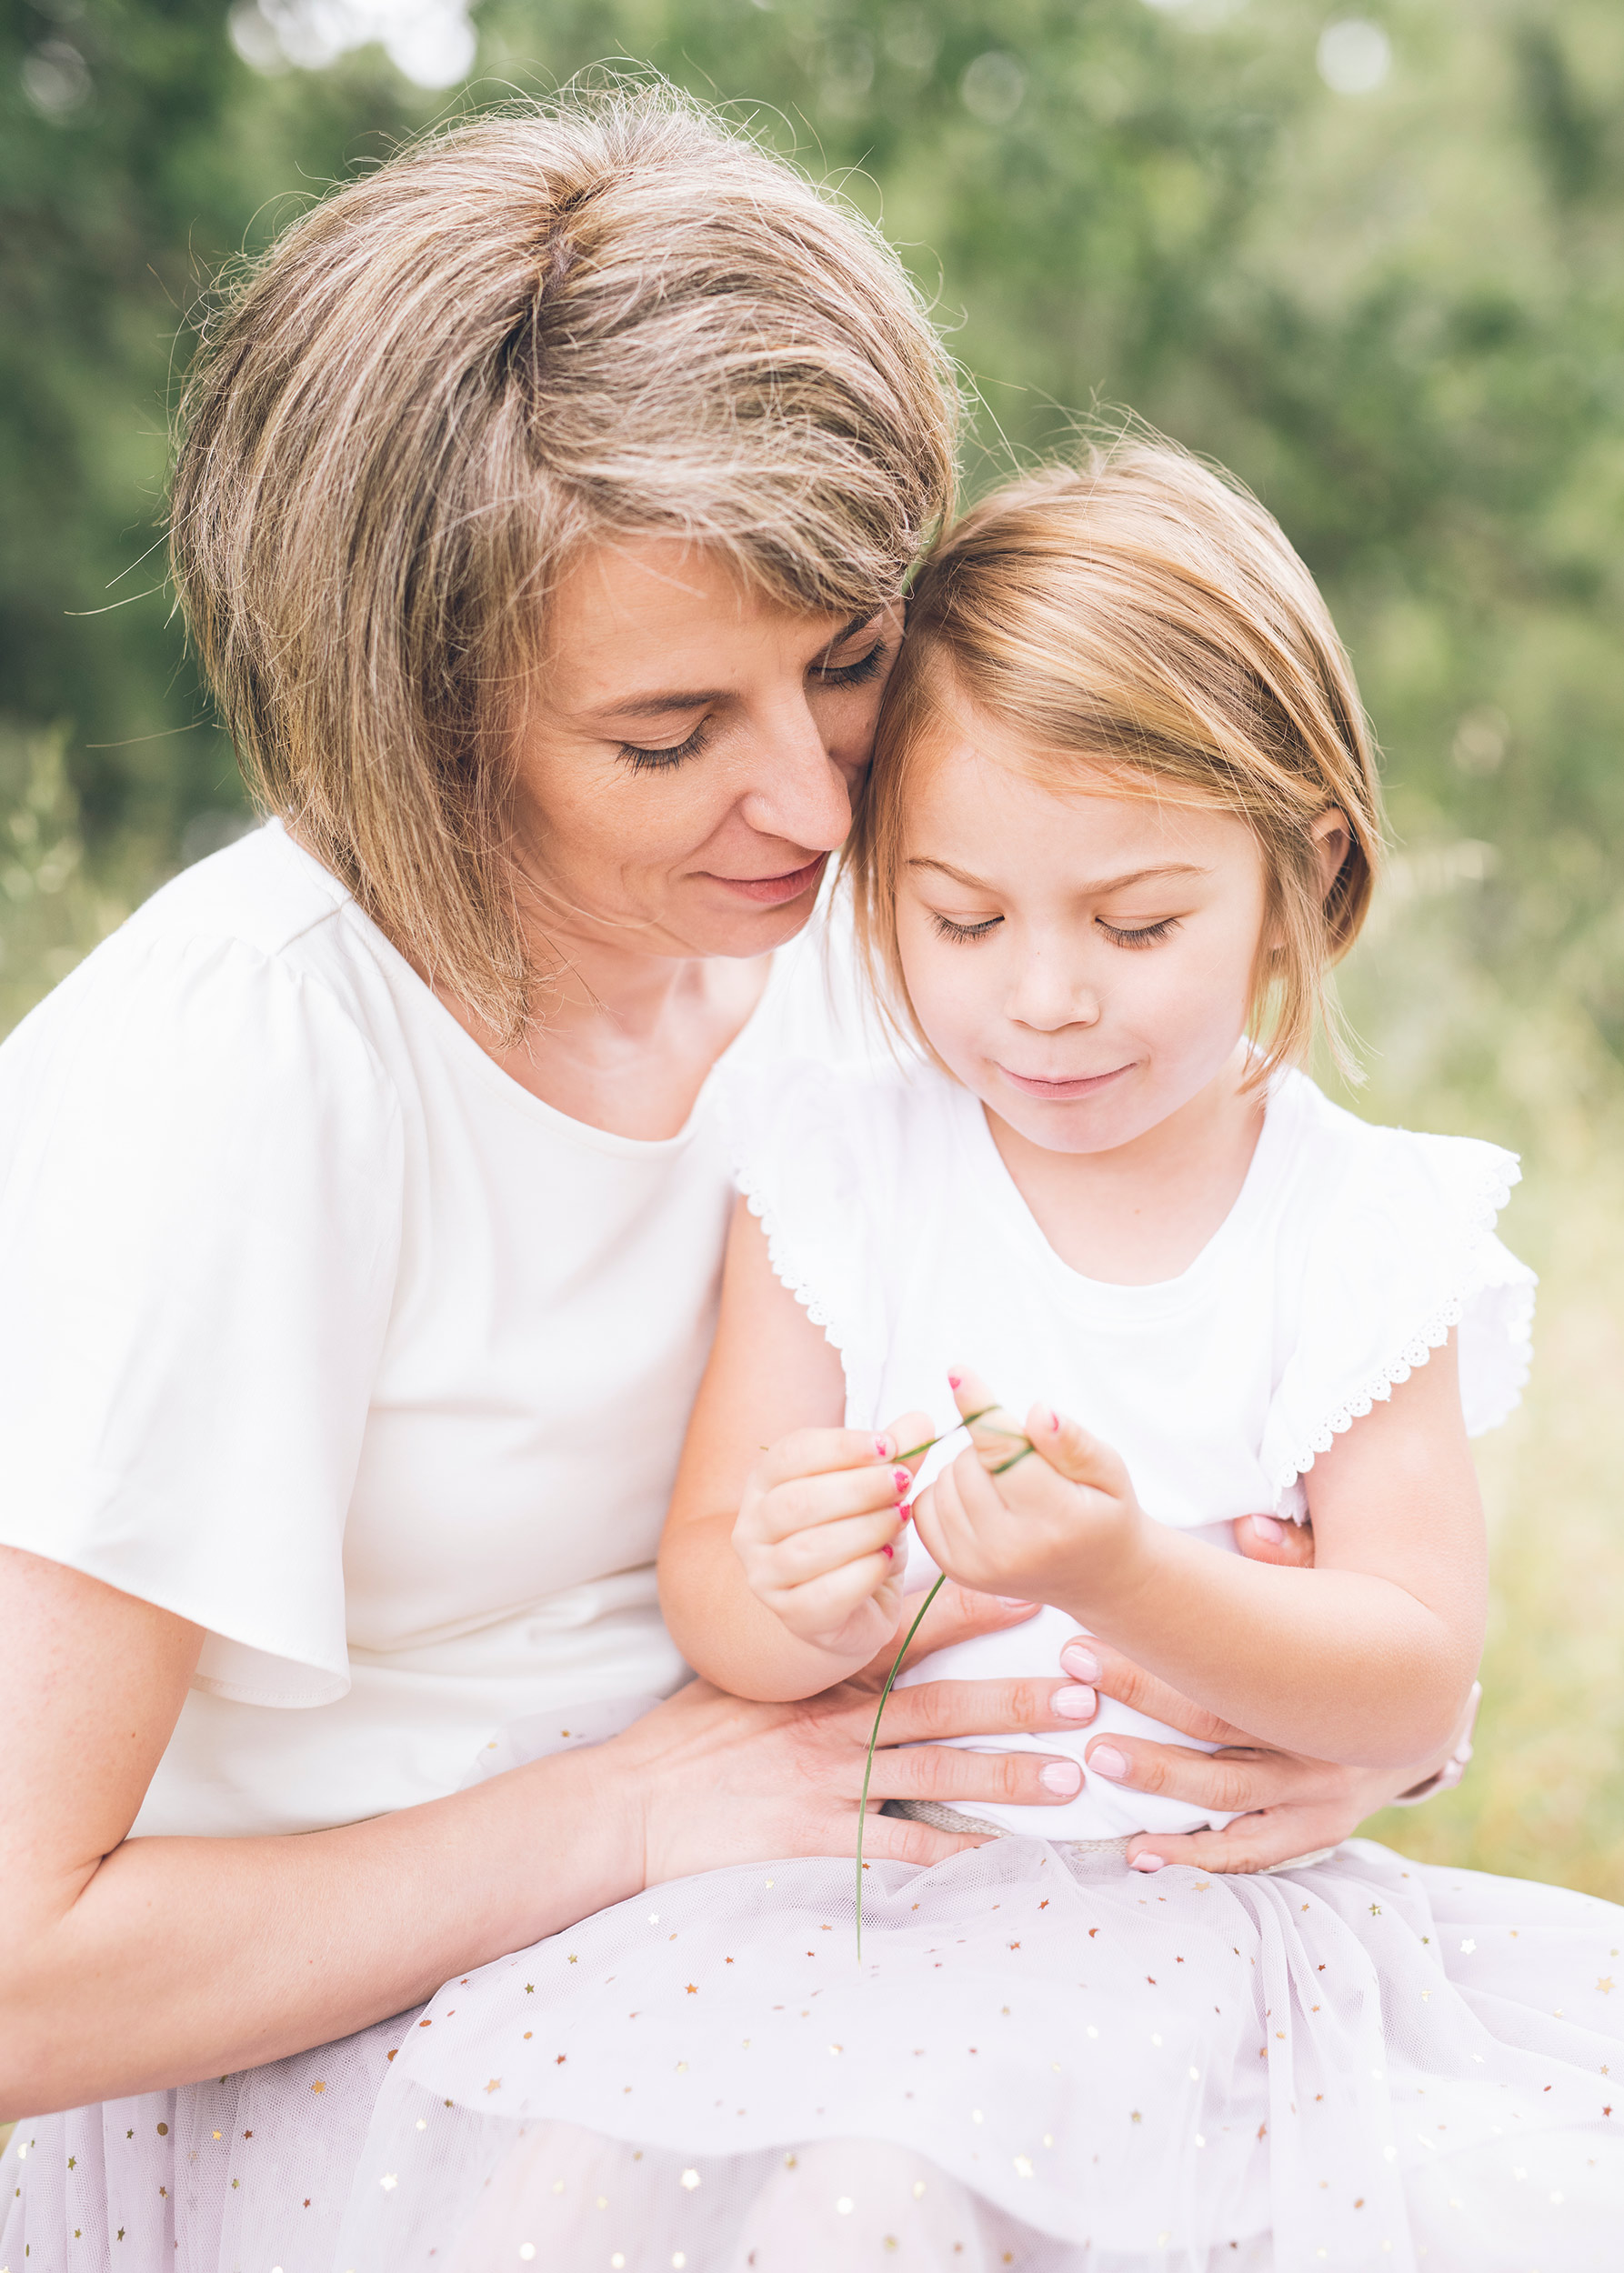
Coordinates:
(1043, 2061)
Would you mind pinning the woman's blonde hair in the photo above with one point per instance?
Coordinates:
(611, 314)
(1140, 613)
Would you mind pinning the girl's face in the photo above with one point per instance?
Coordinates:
(687, 764)
(1082, 962)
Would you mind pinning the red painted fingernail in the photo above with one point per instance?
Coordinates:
(887, 1550)
(902, 1479)
(1054, 1422)
(884, 1446)
(905, 1515)
(954, 1381)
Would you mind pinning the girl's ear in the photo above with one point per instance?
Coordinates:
(1332, 838)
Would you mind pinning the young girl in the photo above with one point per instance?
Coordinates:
(1123, 818)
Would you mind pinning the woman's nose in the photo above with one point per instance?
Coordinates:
(796, 791)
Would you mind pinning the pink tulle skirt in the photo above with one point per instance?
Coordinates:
(1043, 2061)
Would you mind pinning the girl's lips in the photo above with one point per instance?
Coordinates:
(774, 891)
(1063, 1092)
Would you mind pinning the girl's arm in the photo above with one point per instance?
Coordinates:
(1367, 1657)
(779, 1569)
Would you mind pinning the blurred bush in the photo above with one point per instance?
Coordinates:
(1370, 254)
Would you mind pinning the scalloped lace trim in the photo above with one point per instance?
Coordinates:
(1482, 1212)
(785, 1273)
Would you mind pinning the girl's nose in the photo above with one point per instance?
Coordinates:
(1047, 997)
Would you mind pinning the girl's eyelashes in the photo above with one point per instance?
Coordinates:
(642, 761)
(947, 929)
(851, 674)
(1145, 935)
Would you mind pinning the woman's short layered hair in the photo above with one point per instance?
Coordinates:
(1139, 615)
(610, 316)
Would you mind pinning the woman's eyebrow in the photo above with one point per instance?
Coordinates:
(1101, 890)
(699, 697)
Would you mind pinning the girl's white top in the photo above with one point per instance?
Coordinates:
(321, 1332)
(1349, 1255)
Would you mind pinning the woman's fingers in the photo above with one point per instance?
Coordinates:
(963, 1779)
(939, 1710)
(895, 1839)
(1089, 1660)
(957, 1615)
(1229, 1783)
(1266, 1539)
(1252, 1842)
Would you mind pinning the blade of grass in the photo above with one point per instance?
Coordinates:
(874, 1739)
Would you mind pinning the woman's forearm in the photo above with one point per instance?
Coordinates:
(1335, 1664)
(724, 1632)
(184, 1957)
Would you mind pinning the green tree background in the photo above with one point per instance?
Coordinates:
(1373, 260)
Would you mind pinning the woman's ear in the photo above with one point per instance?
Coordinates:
(1332, 838)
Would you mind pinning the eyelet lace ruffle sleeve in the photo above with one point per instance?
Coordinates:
(816, 1152)
(1401, 1249)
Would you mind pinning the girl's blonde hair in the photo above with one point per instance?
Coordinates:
(1141, 613)
(609, 316)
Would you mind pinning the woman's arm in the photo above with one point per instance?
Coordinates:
(132, 1965)
(770, 1479)
(1368, 1657)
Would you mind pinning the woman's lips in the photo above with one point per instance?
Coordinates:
(774, 891)
(1063, 1092)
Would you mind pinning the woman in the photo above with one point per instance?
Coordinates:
(541, 511)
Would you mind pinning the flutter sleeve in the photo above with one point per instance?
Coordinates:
(1397, 1249)
(200, 1201)
(814, 1151)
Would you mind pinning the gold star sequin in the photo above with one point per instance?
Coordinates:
(495, 2083)
(314, 2087)
(1606, 1985)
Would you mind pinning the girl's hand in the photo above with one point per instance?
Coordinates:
(1031, 1509)
(818, 1529)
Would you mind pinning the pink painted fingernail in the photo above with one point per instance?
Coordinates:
(1063, 1778)
(1146, 1862)
(887, 1550)
(1080, 1663)
(1268, 1528)
(1107, 1761)
(905, 1515)
(1054, 1422)
(902, 1479)
(884, 1446)
(1075, 1704)
(954, 1381)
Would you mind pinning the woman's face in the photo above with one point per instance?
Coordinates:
(687, 764)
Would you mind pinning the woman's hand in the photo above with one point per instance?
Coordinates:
(1000, 1519)
(720, 1780)
(818, 1522)
(1284, 1804)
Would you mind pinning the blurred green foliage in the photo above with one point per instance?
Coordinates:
(1398, 312)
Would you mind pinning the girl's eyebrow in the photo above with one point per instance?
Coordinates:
(1101, 890)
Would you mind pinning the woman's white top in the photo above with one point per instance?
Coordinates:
(1347, 1257)
(321, 1332)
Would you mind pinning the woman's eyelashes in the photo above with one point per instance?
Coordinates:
(868, 666)
(656, 761)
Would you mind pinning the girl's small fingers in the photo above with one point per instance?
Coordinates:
(1068, 1449)
(811, 1503)
(823, 1605)
(830, 1547)
(811, 1452)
